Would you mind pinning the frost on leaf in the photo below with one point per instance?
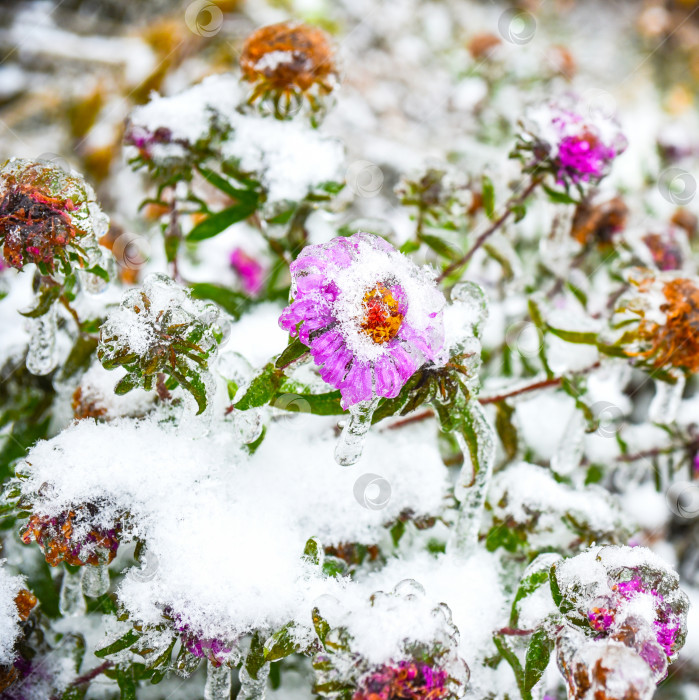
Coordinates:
(159, 329)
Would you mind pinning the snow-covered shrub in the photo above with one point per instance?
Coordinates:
(415, 429)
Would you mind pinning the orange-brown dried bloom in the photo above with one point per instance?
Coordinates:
(25, 601)
(286, 62)
(61, 539)
(676, 342)
(86, 406)
(599, 222)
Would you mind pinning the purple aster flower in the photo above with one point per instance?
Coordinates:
(370, 316)
(250, 272)
(575, 147)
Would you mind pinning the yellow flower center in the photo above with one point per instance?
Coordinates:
(382, 317)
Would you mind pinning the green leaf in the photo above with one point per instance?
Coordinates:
(327, 404)
(126, 384)
(535, 576)
(255, 659)
(131, 637)
(580, 337)
(80, 355)
(291, 353)
(281, 644)
(126, 683)
(313, 552)
(558, 197)
(488, 196)
(75, 692)
(214, 224)
(555, 590)
(46, 300)
(538, 656)
(509, 655)
(409, 247)
(99, 272)
(506, 429)
(224, 185)
(233, 302)
(261, 389)
(321, 625)
(440, 246)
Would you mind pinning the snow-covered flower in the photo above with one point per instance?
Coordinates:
(48, 217)
(628, 595)
(249, 270)
(558, 137)
(370, 316)
(406, 679)
(425, 664)
(73, 537)
(603, 670)
(287, 62)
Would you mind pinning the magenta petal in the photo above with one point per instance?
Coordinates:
(325, 346)
(333, 372)
(388, 380)
(356, 386)
(405, 364)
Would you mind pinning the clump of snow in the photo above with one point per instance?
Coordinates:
(242, 521)
(9, 616)
(290, 158)
(528, 494)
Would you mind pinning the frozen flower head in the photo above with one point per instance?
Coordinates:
(627, 595)
(159, 329)
(667, 309)
(406, 679)
(575, 144)
(602, 670)
(416, 658)
(48, 217)
(73, 537)
(369, 315)
(286, 63)
(198, 646)
(249, 270)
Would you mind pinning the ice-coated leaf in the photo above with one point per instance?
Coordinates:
(538, 656)
(535, 576)
(124, 642)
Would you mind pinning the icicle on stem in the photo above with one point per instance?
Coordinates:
(351, 443)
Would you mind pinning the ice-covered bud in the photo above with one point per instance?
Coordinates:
(288, 63)
(369, 315)
(665, 308)
(628, 595)
(249, 270)
(598, 223)
(159, 329)
(559, 138)
(73, 537)
(603, 670)
(48, 217)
